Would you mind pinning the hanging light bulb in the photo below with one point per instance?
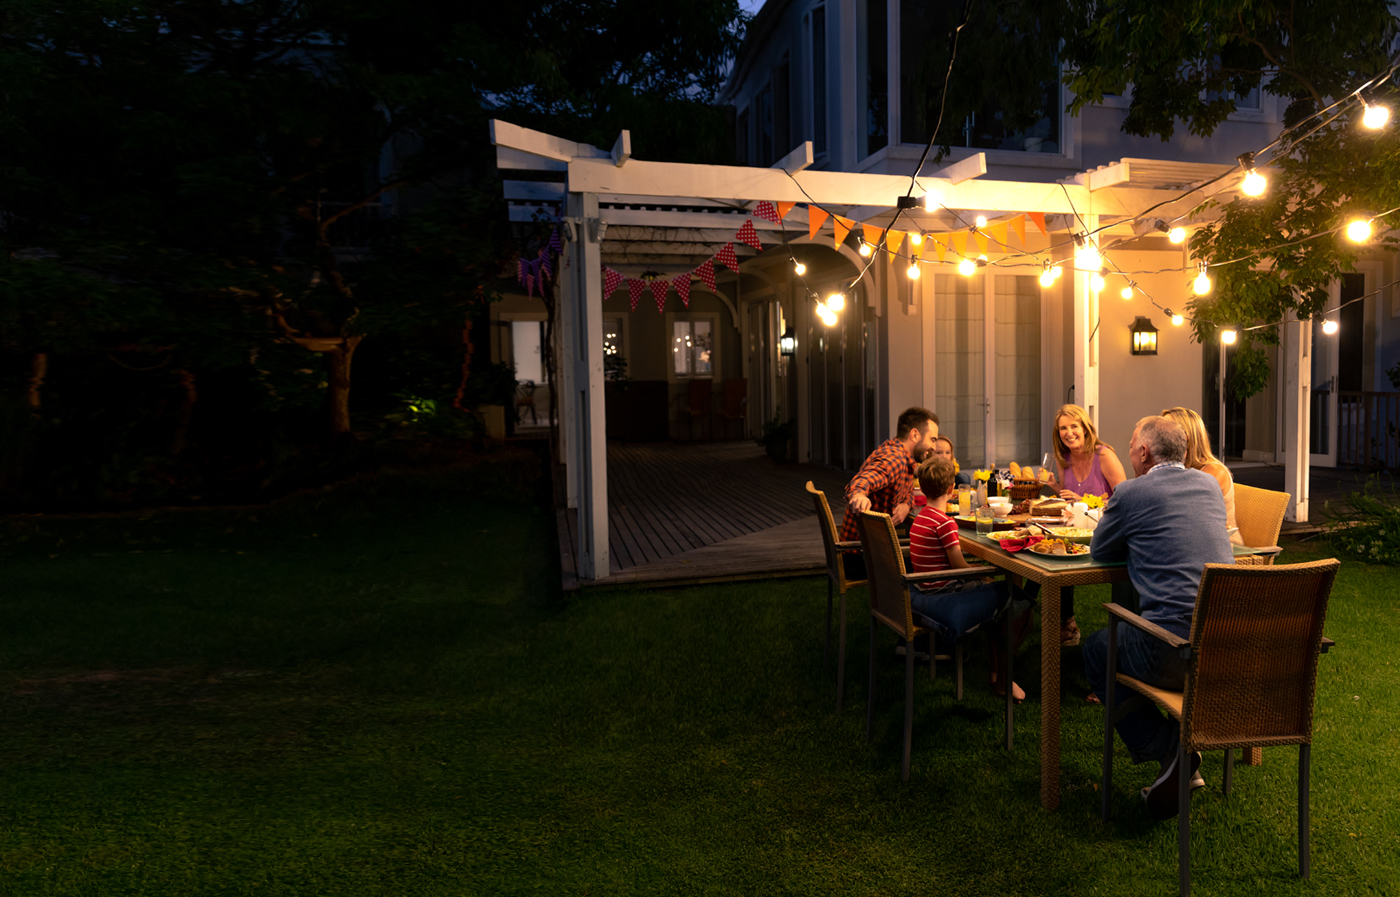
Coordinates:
(1202, 282)
(1088, 258)
(865, 249)
(1359, 230)
(1329, 326)
(799, 269)
(916, 238)
(1254, 183)
(1375, 115)
(1229, 335)
(1096, 282)
(1127, 291)
(913, 271)
(1176, 234)
(1047, 276)
(932, 201)
(981, 220)
(827, 316)
(1176, 318)
(1057, 271)
(967, 267)
(836, 301)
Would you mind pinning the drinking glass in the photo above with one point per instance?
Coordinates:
(986, 519)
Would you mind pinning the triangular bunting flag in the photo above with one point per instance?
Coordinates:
(546, 263)
(1018, 224)
(727, 257)
(611, 281)
(998, 232)
(520, 270)
(706, 273)
(872, 234)
(658, 292)
(556, 243)
(747, 234)
(682, 285)
(530, 285)
(768, 212)
(937, 246)
(843, 226)
(815, 217)
(1039, 219)
(981, 240)
(635, 288)
(894, 239)
(959, 242)
(784, 208)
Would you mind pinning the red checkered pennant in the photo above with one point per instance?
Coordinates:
(635, 288)
(611, 281)
(726, 256)
(658, 292)
(706, 273)
(768, 212)
(682, 285)
(747, 234)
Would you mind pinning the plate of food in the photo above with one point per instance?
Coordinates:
(1072, 534)
(1060, 549)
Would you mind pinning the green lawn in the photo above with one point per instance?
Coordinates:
(385, 693)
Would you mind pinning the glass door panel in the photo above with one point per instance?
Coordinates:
(959, 318)
(1017, 342)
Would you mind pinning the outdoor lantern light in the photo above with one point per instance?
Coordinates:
(1228, 336)
(799, 269)
(1359, 230)
(1375, 116)
(836, 301)
(1144, 337)
(788, 342)
(1329, 326)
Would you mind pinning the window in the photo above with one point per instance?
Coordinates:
(782, 112)
(763, 122)
(614, 349)
(872, 84)
(692, 348)
(526, 338)
(819, 80)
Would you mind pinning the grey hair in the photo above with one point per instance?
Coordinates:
(1163, 437)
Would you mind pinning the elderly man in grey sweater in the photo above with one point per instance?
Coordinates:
(1167, 523)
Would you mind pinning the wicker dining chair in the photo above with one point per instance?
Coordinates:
(890, 606)
(1259, 515)
(836, 581)
(1255, 639)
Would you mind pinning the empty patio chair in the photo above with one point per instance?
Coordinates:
(1259, 514)
(1255, 640)
(735, 404)
(890, 606)
(837, 553)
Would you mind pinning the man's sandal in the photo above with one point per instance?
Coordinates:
(1069, 633)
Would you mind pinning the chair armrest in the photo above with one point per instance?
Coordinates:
(848, 546)
(1326, 643)
(961, 573)
(1146, 626)
(1266, 551)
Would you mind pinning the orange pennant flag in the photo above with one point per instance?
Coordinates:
(843, 226)
(999, 233)
(815, 217)
(1019, 225)
(981, 240)
(894, 239)
(872, 234)
(959, 242)
(1039, 219)
(937, 246)
(784, 208)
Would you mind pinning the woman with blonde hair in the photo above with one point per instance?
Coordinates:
(1199, 457)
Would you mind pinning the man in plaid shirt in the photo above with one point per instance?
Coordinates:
(886, 479)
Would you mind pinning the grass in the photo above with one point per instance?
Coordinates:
(387, 694)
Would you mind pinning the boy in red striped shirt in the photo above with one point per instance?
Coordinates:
(957, 607)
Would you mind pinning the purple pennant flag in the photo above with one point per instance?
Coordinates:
(546, 263)
(530, 285)
(555, 242)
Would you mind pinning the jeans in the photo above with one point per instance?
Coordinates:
(956, 613)
(1147, 732)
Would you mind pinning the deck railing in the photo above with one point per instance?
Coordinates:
(1368, 430)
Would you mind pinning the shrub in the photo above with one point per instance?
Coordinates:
(1366, 524)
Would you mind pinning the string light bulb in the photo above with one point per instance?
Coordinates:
(913, 271)
(1177, 235)
(967, 267)
(836, 301)
(1359, 230)
(799, 269)
(1329, 326)
(1202, 282)
(932, 202)
(1176, 318)
(827, 316)
(1127, 291)
(981, 220)
(1375, 115)
(916, 239)
(1096, 282)
(1047, 276)
(1254, 183)
(1088, 258)
(865, 249)
(1057, 271)
(1229, 335)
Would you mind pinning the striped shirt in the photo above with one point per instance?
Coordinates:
(930, 537)
(886, 478)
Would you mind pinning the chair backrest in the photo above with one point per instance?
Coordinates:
(827, 523)
(525, 390)
(735, 392)
(700, 397)
(884, 564)
(1255, 639)
(1259, 515)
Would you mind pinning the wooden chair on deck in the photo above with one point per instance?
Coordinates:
(1259, 515)
(890, 605)
(736, 400)
(1255, 639)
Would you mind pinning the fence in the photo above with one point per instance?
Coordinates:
(1368, 430)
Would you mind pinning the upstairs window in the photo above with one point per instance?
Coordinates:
(819, 80)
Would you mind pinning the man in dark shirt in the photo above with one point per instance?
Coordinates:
(885, 482)
(1167, 523)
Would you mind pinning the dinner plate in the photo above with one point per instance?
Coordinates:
(1059, 557)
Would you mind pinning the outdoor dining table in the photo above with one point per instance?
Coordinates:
(1053, 574)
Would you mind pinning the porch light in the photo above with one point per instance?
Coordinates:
(1254, 183)
(799, 269)
(1359, 230)
(1329, 326)
(1228, 336)
(836, 301)
(1375, 115)
(1144, 337)
(1202, 282)
(787, 343)
(967, 267)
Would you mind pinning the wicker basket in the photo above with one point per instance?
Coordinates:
(1023, 491)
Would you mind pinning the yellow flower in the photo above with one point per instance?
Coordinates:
(1093, 501)
(982, 475)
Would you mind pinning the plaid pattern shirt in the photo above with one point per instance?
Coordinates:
(886, 478)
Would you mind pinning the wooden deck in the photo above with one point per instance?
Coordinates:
(683, 513)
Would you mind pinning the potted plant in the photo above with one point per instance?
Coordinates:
(776, 435)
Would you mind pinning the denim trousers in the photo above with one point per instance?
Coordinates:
(955, 613)
(1148, 733)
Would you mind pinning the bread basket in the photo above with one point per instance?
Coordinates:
(1022, 491)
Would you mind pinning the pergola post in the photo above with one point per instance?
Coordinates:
(587, 455)
(1086, 337)
(1297, 414)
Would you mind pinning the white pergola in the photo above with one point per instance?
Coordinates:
(687, 197)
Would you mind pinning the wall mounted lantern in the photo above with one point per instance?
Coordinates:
(1144, 337)
(788, 342)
